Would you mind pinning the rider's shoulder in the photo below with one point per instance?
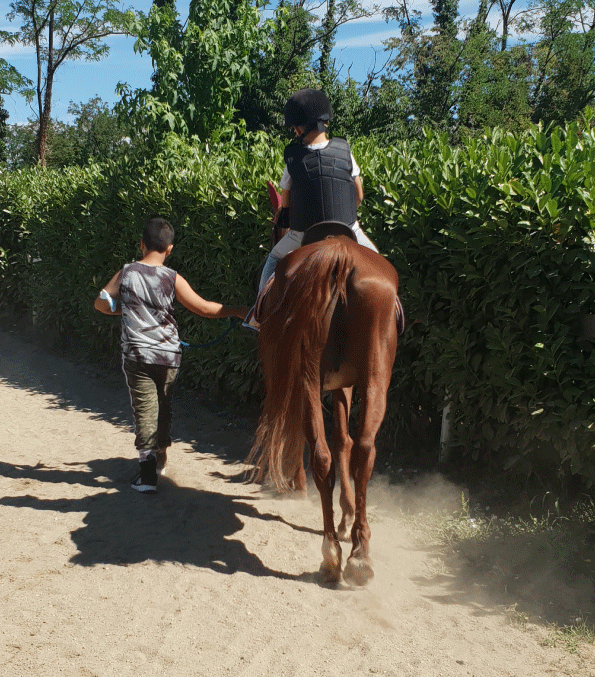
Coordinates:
(294, 150)
(339, 141)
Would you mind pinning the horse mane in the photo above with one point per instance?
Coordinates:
(292, 338)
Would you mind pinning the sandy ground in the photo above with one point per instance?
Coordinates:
(211, 576)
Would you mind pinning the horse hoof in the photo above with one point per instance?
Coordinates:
(329, 574)
(300, 494)
(358, 571)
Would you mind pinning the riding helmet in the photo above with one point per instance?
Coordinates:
(307, 107)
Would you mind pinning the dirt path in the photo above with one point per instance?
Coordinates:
(211, 576)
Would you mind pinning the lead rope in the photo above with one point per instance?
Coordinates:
(232, 323)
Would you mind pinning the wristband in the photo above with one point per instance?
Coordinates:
(113, 304)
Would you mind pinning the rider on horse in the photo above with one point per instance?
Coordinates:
(321, 180)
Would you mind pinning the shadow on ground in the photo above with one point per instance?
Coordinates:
(181, 524)
(548, 575)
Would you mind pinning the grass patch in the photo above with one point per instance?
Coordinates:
(534, 559)
(571, 637)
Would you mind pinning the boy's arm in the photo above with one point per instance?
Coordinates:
(113, 289)
(196, 304)
(359, 190)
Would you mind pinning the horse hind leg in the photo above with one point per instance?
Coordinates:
(359, 568)
(299, 478)
(323, 471)
(341, 448)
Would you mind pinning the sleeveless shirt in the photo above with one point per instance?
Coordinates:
(149, 329)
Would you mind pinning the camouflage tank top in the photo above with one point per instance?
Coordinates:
(149, 330)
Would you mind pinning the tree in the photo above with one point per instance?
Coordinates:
(10, 81)
(563, 60)
(464, 75)
(3, 132)
(280, 70)
(298, 31)
(427, 63)
(94, 136)
(97, 133)
(62, 30)
(201, 67)
(20, 145)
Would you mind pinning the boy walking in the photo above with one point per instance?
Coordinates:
(143, 293)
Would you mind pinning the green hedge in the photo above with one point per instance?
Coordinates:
(75, 228)
(494, 245)
(492, 241)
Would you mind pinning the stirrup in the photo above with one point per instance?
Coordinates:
(250, 321)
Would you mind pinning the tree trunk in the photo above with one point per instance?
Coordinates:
(44, 117)
(505, 10)
(326, 44)
(44, 122)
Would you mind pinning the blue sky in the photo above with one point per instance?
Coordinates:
(357, 44)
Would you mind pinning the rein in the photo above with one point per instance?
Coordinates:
(232, 323)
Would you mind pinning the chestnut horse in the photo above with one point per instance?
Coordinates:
(328, 323)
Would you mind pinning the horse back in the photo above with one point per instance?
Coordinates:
(360, 326)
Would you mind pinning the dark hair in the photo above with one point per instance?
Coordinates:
(158, 234)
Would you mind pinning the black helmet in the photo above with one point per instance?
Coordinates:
(308, 108)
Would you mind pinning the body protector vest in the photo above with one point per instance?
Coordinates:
(322, 188)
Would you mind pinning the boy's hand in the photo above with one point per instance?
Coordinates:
(242, 311)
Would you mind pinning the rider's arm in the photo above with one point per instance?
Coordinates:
(359, 190)
(196, 304)
(113, 290)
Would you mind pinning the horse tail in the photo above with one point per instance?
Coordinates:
(292, 339)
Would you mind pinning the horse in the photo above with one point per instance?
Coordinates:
(327, 324)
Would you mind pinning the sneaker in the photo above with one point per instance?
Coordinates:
(146, 480)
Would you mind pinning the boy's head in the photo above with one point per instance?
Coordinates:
(158, 235)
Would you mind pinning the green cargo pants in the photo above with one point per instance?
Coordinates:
(151, 388)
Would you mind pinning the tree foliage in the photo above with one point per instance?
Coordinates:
(464, 75)
(61, 30)
(201, 67)
(279, 71)
(94, 135)
(301, 38)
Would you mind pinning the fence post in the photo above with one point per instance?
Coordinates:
(444, 452)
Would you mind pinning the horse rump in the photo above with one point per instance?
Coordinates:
(296, 319)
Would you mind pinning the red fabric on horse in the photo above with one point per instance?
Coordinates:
(274, 197)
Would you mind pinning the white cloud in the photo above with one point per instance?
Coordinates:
(8, 51)
(368, 40)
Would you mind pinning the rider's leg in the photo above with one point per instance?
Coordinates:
(290, 241)
(362, 238)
